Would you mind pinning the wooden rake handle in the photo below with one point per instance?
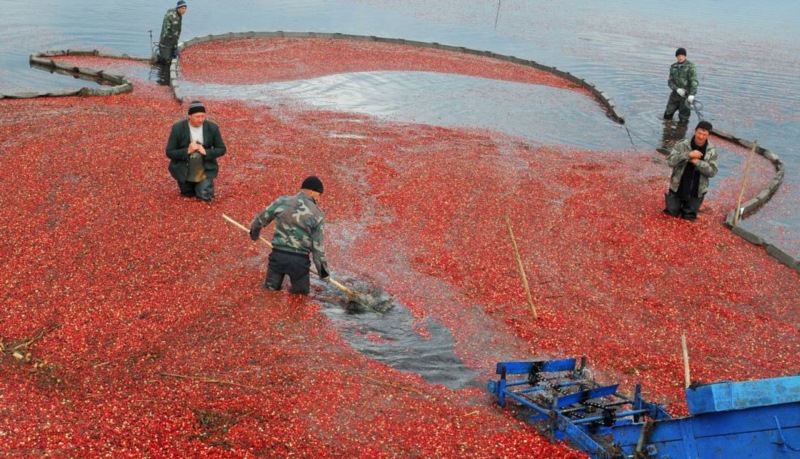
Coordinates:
(268, 244)
(521, 268)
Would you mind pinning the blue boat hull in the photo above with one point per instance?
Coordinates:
(749, 419)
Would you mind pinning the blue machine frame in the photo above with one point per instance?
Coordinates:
(750, 419)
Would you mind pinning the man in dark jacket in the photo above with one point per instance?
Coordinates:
(298, 233)
(683, 83)
(693, 162)
(193, 148)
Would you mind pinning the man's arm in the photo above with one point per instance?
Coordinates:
(217, 145)
(679, 154)
(671, 79)
(318, 251)
(174, 149)
(166, 28)
(265, 217)
(708, 166)
(693, 82)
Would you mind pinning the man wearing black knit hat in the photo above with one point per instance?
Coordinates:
(693, 162)
(298, 233)
(193, 148)
(171, 33)
(683, 83)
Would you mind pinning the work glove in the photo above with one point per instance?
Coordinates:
(255, 233)
(681, 92)
(691, 99)
(324, 274)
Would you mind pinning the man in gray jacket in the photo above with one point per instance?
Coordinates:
(693, 162)
(683, 83)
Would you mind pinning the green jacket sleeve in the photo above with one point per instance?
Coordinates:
(679, 154)
(693, 82)
(265, 217)
(166, 29)
(318, 250)
(708, 165)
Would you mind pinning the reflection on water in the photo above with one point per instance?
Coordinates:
(673, 133)
(541, 114)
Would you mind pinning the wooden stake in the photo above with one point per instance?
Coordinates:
(737, 214)
(686, 377)
(521, 268)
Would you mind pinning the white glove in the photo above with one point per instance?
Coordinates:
(681, 92)
(691, 99)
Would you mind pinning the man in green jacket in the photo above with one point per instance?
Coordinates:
(298, 232)
(193, 148)
(683, 83)
(693, 162)
(171, 33)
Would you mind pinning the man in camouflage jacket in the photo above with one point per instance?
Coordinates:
(298, 232)
(693, 162)
(683, 83)
(171, 33)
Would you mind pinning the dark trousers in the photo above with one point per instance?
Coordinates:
(295, 265)
(686, 209)
(680, 104)
(203, 190)
(165, 54)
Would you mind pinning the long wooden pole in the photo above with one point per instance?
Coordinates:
(737, 214)
(686, 377)
(521, 268)
(313, 268)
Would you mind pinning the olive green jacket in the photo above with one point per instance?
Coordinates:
(171, 29)
(683, 75)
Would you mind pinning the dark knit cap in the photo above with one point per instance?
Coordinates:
(312, 183)
(181, 3)
(680, 51)
(704, 125)
(196, 106)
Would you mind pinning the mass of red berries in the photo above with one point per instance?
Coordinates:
(133, 323)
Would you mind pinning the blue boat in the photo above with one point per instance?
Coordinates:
(747, 419)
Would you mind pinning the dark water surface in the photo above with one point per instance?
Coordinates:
(747, 54)
(386, 331)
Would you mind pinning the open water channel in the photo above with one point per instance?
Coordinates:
(746, 54)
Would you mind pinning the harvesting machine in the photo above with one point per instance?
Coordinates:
(749, 419)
